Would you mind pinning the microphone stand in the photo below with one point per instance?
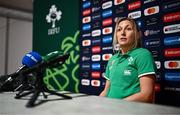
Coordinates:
(40, 86)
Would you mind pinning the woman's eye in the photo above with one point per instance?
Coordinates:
(129, 28)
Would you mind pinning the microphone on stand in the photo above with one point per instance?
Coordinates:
(29, 60)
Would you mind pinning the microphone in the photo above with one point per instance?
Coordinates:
(29, 60)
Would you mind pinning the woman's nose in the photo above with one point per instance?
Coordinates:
(123, 32)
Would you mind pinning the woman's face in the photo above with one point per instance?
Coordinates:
(125, 34)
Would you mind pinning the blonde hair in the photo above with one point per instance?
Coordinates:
(137, 34)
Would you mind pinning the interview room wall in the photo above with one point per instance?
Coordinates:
(19, 35)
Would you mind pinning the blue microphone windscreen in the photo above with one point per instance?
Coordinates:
(32, 58)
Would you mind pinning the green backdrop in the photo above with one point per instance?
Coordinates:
(56, 27)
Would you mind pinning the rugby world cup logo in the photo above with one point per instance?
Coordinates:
(53, 15)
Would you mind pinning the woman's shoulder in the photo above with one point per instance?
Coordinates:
(142, 51)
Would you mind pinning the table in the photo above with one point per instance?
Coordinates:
(80, 104)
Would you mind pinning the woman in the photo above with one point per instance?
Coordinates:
(130, 73)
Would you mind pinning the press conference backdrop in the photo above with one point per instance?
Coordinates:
(56, 27)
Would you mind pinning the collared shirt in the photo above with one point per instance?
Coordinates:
(124, 72)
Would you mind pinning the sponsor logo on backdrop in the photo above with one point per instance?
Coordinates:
(107, 48)
(107, 13)
(86, 42)
(157, 87)
(96, 41)
(107, 22)
(148, 1)
(95, 9)
(107, 5)
(155, 53)
(118, 2)
(107, 30)
(86, 27)
(171, 17)
(84, 74)
(135, 15)
(134, 5)
(151, 21)
(106, 57)
(86, 66)
(119, 10)
(96, 49)
(151, 32)
(171, 29)
(171, 6)
(107, 39)
(158, 64)
(52, 17)
(96, 66)
(175, 89)
(172, 76)
(95, 83)
(96, 25)
(96, 16)
(96, 33)
(96, 74)
(86, 4)
(87, 12)
(86, 50)
(152, 43)
(151, 10)
(86, 19)
(96, 57)
(85, 58)
(175, 40)
(172, 52)
(172, 64)
(85, 82)
(86, 35)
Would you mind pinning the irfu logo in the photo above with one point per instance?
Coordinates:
(53, 15)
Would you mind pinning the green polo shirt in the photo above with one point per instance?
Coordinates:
(124, 72)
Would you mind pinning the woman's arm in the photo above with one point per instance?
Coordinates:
(104, 92)
(146, 93)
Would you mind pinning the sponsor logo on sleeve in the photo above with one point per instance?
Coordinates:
(172, 52)
(172, 64)
(151, 10)
(172, 40)
(171, 29)
(134, 5)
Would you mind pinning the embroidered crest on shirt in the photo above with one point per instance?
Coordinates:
(130, 60)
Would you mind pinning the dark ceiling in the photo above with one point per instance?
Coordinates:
(22, 5)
